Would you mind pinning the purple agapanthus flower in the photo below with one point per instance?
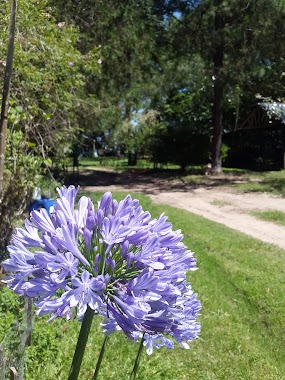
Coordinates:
(113, 258)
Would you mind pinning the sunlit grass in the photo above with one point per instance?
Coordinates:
(220, 203)
(240, 283)
(269, 182)
(274, 216)
(121, 163)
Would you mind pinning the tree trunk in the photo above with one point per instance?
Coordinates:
(6, 91)
(132, 158)
(216, 159)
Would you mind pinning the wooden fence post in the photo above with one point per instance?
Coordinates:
(13, 373)
(2, 363)
(26, 336)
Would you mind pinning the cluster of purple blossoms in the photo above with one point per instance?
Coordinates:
(115, 259)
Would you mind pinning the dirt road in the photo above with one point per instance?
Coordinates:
(231, 209)
(221, 204)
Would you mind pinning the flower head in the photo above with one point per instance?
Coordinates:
(114, 259)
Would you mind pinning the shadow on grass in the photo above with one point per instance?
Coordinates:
(265, 185)
(152, 181)
(277, 185)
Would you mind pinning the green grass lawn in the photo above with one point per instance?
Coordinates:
(244, 181)
(119, 163)
(270, 182)
(274, 216)
(240, 283)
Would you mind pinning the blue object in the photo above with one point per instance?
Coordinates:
(42, 203)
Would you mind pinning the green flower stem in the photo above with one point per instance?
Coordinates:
(137, 362)
(100, 358)
(81, 344)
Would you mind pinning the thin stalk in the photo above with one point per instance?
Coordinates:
(6, 91)
(81, 344)
(137, 362)
(100, 358)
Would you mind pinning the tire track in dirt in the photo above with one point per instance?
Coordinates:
(221, 204)
(229, 214)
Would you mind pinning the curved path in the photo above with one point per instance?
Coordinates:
(231, 209)
(221, 204)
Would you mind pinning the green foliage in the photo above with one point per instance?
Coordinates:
(11, 328)
(11, 307)
(126, 35)
(46, 345)
(22, 168)
(46, 338)
(224, 151)
(240, 45)
(22, 160)
(48, 91)
(85, 66)
(50, 76)
(138, 134)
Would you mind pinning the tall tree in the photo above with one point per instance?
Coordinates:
(218, 88)
(234, 39)
(127, 33)
(241, 44)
